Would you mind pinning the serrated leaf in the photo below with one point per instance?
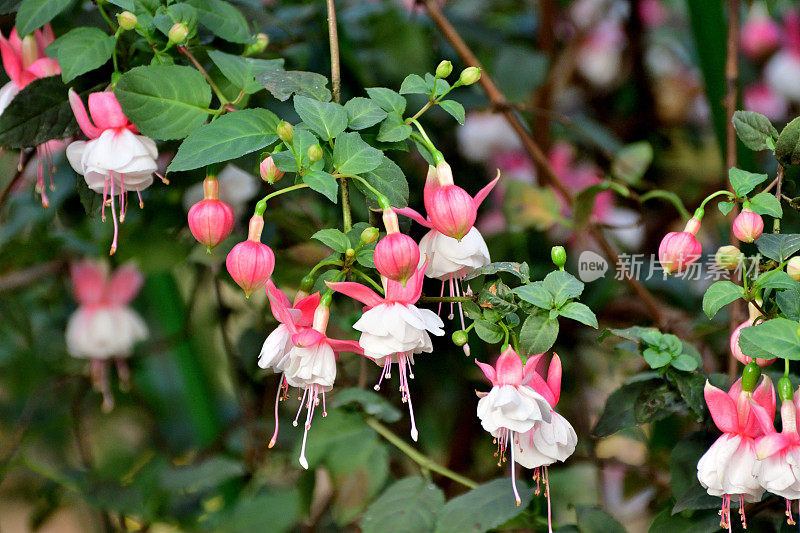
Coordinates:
(789, 303)
(778, 246)
(538, 334)
(165, 102)
(223, 20)
(333, 239)
(351, 155)
(328, 119)
(81, 50)
(520, 270)
(387, 99)
(776, 279)
(742, 182)
(242, 71)
(393, 129)
(536, 294)
(563, 286)
(388, 179)
(414, 84)
(284, 83)
(483, 508)
(410, 504)
(454, 109)
(323, 183)
(765, 203)
(580, 312)
(755, 130)
(33, 14)
(363, 113)
(719, 295)
(787, 147)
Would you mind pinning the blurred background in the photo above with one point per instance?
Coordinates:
(631, 89)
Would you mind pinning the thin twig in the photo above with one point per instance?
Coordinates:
(33, 274)
(333, 37)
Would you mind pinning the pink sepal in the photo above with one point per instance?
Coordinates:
(357, 291)
(413, 215)
(346, 346)
(770, 444)
(89, 129)
(483, 193)
(124, 285)
(488, 371)
(722, 408)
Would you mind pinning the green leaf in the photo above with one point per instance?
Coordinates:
(410, 504)
(387, 99)
(776, 279)
(363, 113)
(787, 147)
(774, 338)
(223, 20)
(690, 384)
(488, 332)
(370, 402)
(789, 303)
(742, 182)
(39, 113)
(778, 246)
(563, 286)
(657, 403)
(81, 50)
(9, 6)
(632, 161)
(127, 5)
(265, 510)
(580, 312)
(284, 83)
(755, 130)
(414, 84)
(34, 14)
(165, 102)
(181, 13)
(91, 201)
(333, 238)
(325, 118)
(229, 137)
(725, 207)
(436, 86)
(656, 358)
(685, 362)
(595, 520)
(765, 203)
(351, 155)
(323, 183)
(719, 295)
(520, 270)
(209, 474)
(483, 508)
(393, 129)
(619, 410)
(538, 334)
(536, 294)
(242, 71)
(454, 109)
(583, 204)
(388, 179)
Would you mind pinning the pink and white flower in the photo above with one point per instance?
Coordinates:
(393, 329)
(104, 327)
(291, 318)
(115, 159)
(782, 72)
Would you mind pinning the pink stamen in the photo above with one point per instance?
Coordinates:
(741, 511)
(547, 495)
(302, 402)
(402, 361)
(124, 374)
(164, 180)
(141, 202)
(441, 295)
(452, 292)
(789, 518)
(384, 372)
(105, 194)
(114, 218)
(312, 397)
(277, 401)
(324, 409)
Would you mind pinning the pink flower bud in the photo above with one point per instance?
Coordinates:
(737, 351)
(452, 211)
(793, 268)
(250, 263)
(211, 220)
(396, 255)
(760, 36)
(747, 226)
(269, 172)
(678, 250)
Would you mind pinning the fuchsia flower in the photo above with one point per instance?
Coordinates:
(251, 262)
(269, 172)
(782, 72)
(747, 226)
(104, 327)
(726, 469)
(761, 35)
(678, 250)
(762, 99)
(396, 255)
(115, 160)
(393, 329)
(309, 363)
(211, 220)
(512, 408)
(736, 350)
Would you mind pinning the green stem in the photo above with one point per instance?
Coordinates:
(105, 15)
(185, 51)
(368, 279)
(263, 201)
(437, 155)
(425, 462)
(786, 368)
(507, 333)
(347, 216)
(332, 262)
(714, 195)
(671, 197)
(446, 299)
(419, 113)
(382, 200)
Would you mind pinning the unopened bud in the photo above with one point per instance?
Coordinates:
(369, 235)
(307, 283)
(748, 226)
(460, 337)
(285, 131)
(269, 172)
(314, 153)
(785, 390)
(262, 41)
(178, 33)
(127, 20)
(469, 75)
(728, 257)
(793, 268)
(444, 69)
(750, 376)
(559, 256)
(349, 254)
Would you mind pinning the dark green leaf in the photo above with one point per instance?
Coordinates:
(454, 109)
(223, 20)
(536, 294)
(696, 497)
(580, 312)
(488, 332)
(333, 238)
(725, 207)
(742, 182)
(483, 508)
(410, 504)
(775, 338)
(388, 179)
(181, 13)
(520, 270)
(787, 147)
(690, 386)
(719, 295)
(363, 113)
(619, 410)
(9, 6)
(538, 334)
(242, 71)
(563, 286)
(596, 520)
(789, 303)
(326, 118)
(284, 83)
(754, 130)
(393, 129)
(208, 474)
(685, 362)
(351, 155)
(776, 279)
(370, 402)
(387, 99)
(323, 183)
(657, 403)
(414, 84)
(34, 14)
(656, 358)
(778, 246)
(81, 50)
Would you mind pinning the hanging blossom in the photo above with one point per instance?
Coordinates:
(512, 408)
(24, 60)
(304, 355)
(104, 327)
(393, 329)
(547, 443)
(116, 159)
(727, 468)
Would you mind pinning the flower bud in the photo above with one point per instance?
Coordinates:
(452, 211)
(785, 390)
(728, 257)
(397, 257)
(307, 283)
(211, 220)
(460, 337)
(127, 20)
(747, 226)
(178, 33)
(736, 350)
(269, 172)
(444, 69)
(314, 153)
(793, 268)
(750, 377)
(559, 256)
(678, 250)
(285, 131)
(250, 263)
(262, 41)
(469, 75)
(369, 235)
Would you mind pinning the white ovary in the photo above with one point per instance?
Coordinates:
(393, 328)
(449, 258)
(514, 408)
(129, 158)
(276, 349)
(780, 473)
(7, 93)
(311, 365)
(782, 74)
(105, 332)
(727, 468)
(546, 443)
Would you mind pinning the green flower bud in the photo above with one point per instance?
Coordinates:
(314, 153)
(559, 256)
(460, 337)
(127, 20)
(750, 376)
(262, 41)
(785, 389)
(285, 132)
(307, 283)
(349, 253)
(444, 69)
(178, 33)
(793, 268)
(728, 257)
(369, 235)
(469, 75)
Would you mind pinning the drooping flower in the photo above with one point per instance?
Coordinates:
(393, 329)
(211, 220)
(396, 255)
(599, 56)
(511, 408)
(291, 319)
(747, 226)
(104, 327)
(115, 160)
(251, 262)
(726, 469)
(678, 250)
(782, 72)
(761, 35)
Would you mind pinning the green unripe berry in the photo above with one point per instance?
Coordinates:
(785, 390)
(127, 20)
(178, 33)
(460, 337)
(369, 235)
(750, 376)
(307, 283)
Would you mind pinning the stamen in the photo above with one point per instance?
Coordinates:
(105, 194)
(162, 178)
(114, 218)
(309, 414)
(277, 401)
(452, 292)
(141, 202)
(742, 517)
(124, 374)
(441, 295)
(514, 477)
(789, 518)
(302, 401)
(404, 383)
(547, 495)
